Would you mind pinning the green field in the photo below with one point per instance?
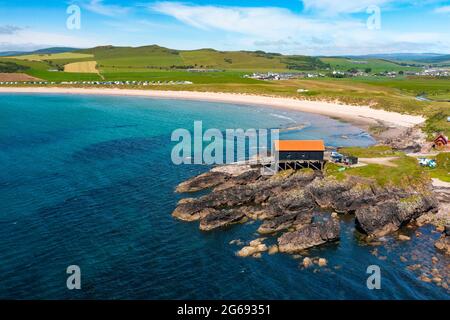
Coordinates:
(376, 65)
(407, 174)
(225, 77)
(442, 172)
(414, 85)
(370, 152)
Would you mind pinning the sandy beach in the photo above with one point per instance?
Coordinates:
(355, 114)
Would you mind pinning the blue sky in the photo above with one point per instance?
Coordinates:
(313, 27)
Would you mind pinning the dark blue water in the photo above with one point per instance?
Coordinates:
(88, 180)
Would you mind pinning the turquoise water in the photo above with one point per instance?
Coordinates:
(87, 180)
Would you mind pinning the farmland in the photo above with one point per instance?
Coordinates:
(376, 65)
(82, 67)
(16, 77)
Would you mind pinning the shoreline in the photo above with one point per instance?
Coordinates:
(361, 116)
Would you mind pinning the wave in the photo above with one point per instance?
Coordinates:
(280, 116)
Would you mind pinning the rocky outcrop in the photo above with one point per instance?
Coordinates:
(388, 216)
(409, 140)
(220, 218)
(287, 210)
(309, 236)
(285, 222)
(289, 201)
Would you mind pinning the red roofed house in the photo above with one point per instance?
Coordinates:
(441, 141)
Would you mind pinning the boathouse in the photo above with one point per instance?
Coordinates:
(297, 154)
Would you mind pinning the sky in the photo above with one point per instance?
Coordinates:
(309, 27)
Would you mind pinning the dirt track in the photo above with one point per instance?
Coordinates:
(387, 161)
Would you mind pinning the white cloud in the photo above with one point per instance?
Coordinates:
(97, 6)
(336, 7)
(444, 9)
(27, 39)
(266, 22)
(281, 30)
(339, 7)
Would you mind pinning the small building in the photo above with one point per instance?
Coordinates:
(441, 141)
(296, 154)
(350, 160)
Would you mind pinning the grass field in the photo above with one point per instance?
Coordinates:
(407, 174)
(414, 85)
(442, 172)
(370, 152)
(376, 65)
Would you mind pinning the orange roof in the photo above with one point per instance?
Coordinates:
(299, 145)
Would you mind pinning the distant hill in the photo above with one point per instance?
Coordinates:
(438, 59)
(418, 57)
(11, 53)
(40, 51)
(54, 50)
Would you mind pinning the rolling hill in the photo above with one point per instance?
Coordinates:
(11, 53)
(437, 59)
(40, 51)
(421, 58)
(111, 58)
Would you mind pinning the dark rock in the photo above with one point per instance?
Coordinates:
(286, 210)
(327, 191)
(221, 218)
(204, 181)
(309, 236)
(245, 178)
(285, 221)
(291, 202)
(190, 210)
(390, 215)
